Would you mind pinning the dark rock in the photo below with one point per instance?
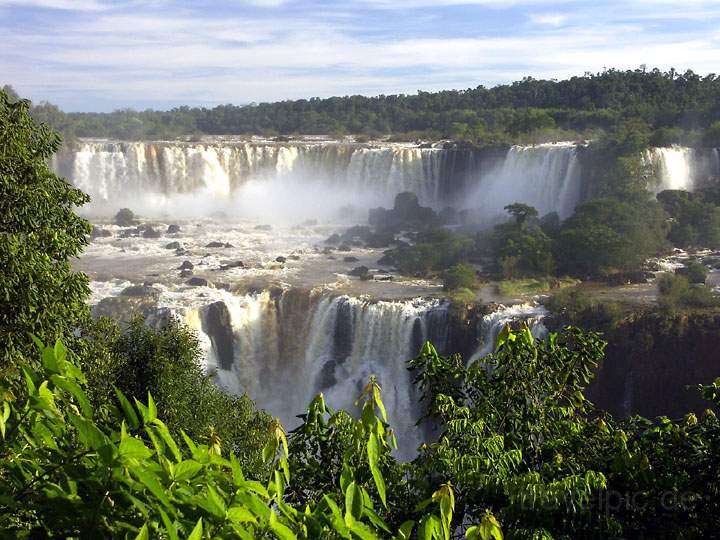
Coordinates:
(173, 245)
(406, 212)
(186, 273)
(294, 257)
(331, 257)
(327, 251)
(172, 229)
(234, 264)
(344, 247)
(219, 329)
(448, 216)
(198, 282)
(382, 277)
(129, 233)
(350, 259)
(187, 265)
(151, 233)
(359, 271)
(281, 259)
(357, 232)
(139, 290)
(380, 240)
(333, 239)
(228, 245)
(98, 232)
(215, 245)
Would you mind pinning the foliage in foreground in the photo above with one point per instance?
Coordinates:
(39, 234)
(64, 473)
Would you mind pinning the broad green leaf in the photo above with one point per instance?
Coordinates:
(240, 514)
(143, 534)
(169, 525)
(88, 433)
(362, 531)
(280, 530)
(185, 470)
(152, 410)
(405, 530)
(353, 501)
(128, 409)
(196, 533)
(150, 481)
(167, 438)
(72, 388)
(373, 453)
(132, 448)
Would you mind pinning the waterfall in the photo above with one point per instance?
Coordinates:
(289, 347)
(154, 176)
(492, 323)
(242, 177)
(546, 176)
(680, 167)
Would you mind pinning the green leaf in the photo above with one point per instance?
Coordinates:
(280, 530)
(88, 433)
(150, 481)
(362, 531)
(167, 438)
(196, 533)
(72, 388)
(152, 410)
(405, 530)
(128, 409)
(49, 360)
(185, 470)
(132, 448)
(353, 501)
(429, 528)
(240, 514)
(169, 525)
(60, 352)
(373, 453)
(143, 534)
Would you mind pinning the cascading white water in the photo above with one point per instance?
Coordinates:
(546, 176)
(288, 349)
(680, 167)
(237, 177)
(153, 176)
(492, 323)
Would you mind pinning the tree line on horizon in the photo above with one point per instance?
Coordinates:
(674, 107)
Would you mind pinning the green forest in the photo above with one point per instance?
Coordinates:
(117, 432)
(671, 107)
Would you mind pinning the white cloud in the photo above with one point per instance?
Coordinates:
(68, 5)
(171, 54)
(548, 19)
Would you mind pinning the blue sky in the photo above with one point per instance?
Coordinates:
(100, 55)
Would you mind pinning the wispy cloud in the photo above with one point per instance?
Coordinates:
(104, 56)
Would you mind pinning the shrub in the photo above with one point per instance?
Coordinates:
(460, 276)
(125, 217)
(694, 271)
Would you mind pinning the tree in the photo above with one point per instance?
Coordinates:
(607, 235)
(521, 212)
(39, 234)
(125, 217)
(460, 276)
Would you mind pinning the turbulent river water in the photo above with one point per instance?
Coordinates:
(278, 315)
